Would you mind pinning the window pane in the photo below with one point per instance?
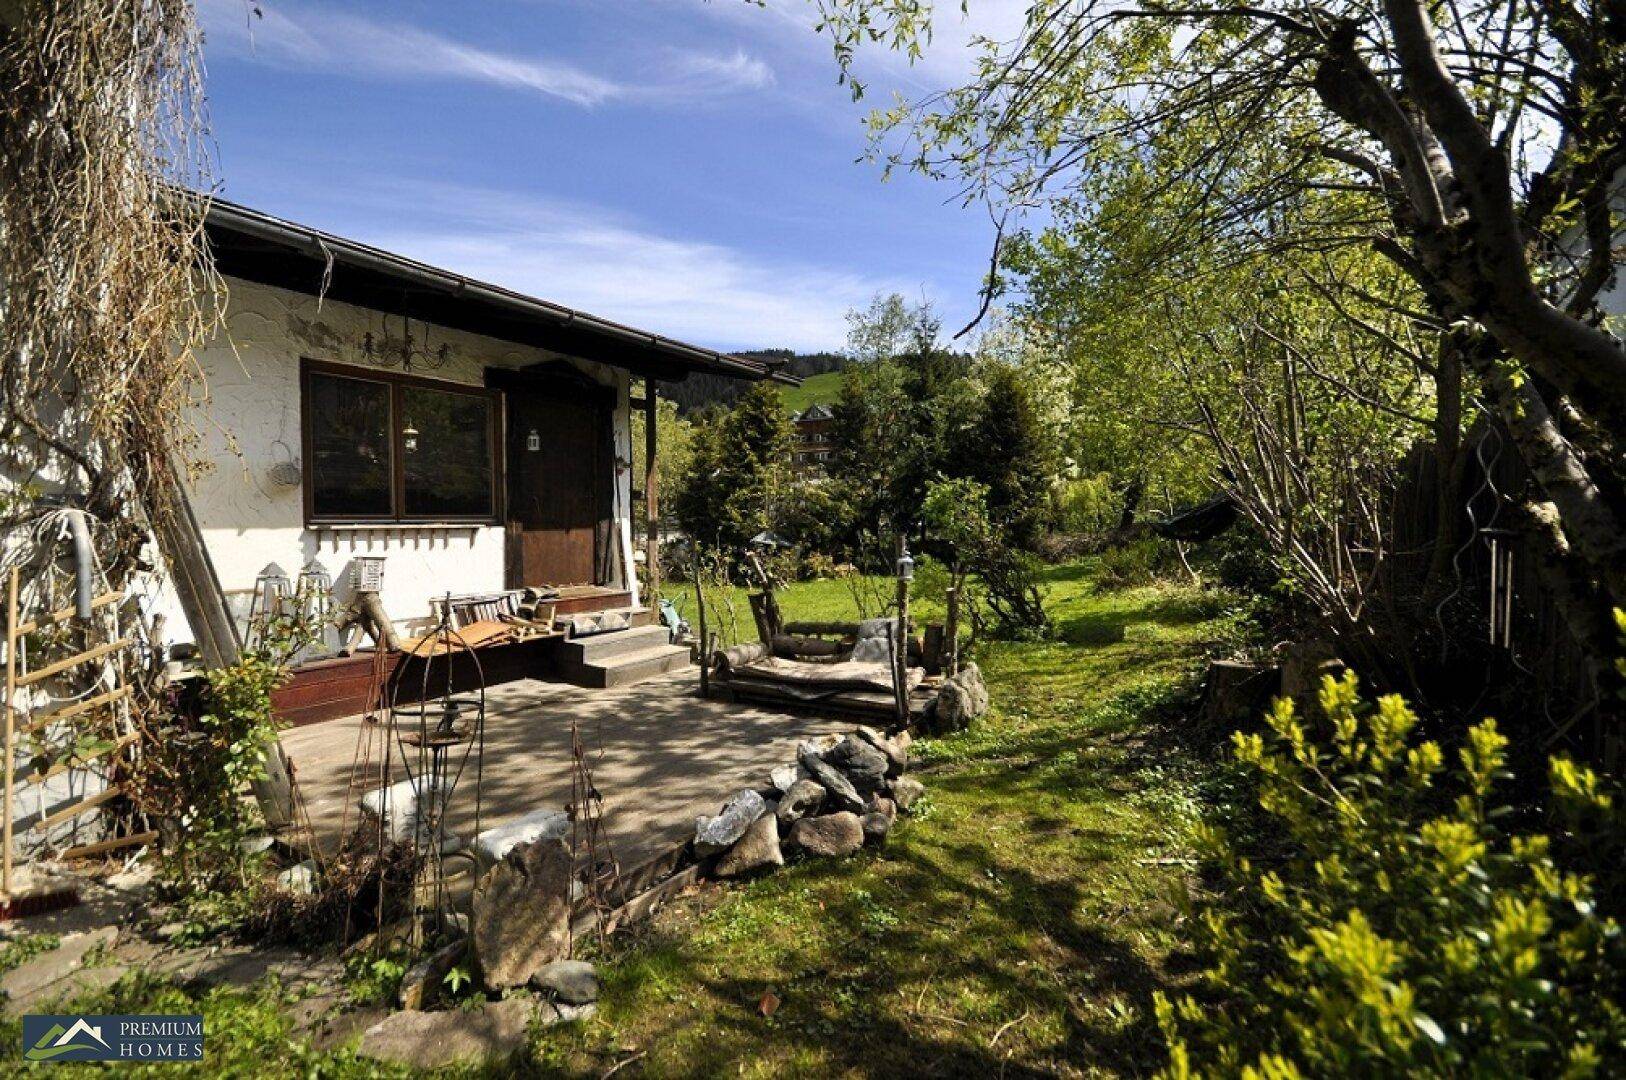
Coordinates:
(350, 447)
(446, 440)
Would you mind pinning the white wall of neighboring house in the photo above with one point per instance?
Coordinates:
(250, 422)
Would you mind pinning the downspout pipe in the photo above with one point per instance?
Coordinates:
(84, 562)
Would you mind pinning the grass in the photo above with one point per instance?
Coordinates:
(824, 387)
(1016, 924)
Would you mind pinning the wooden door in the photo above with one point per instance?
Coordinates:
(559, 476)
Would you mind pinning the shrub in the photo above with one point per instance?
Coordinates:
(1136, 562)
(1408, 930)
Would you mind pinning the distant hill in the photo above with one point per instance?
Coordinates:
(698, 391)
(824, 387)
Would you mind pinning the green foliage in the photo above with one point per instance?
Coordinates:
(999, 585)
(737, 470)
(373, 979)
(1136, 562)
(1408, 929)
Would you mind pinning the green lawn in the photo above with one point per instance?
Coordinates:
(1017, 924)
(825, 387)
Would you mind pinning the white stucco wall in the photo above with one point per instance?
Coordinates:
(251, 421)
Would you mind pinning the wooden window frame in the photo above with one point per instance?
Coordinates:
(397, 382)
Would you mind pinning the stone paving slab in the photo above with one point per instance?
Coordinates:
(51, 973)
(664, 755)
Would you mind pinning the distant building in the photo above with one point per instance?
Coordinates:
(812, 446)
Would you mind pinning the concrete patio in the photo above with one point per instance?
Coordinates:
(668, 755)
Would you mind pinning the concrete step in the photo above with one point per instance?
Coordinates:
(624, 669)
(597, 647)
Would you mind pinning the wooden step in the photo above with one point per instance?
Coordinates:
(627, 668)
(596, 647)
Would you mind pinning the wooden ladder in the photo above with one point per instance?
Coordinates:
(19, 721)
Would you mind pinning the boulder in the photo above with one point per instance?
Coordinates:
(522, 913)
(879, 821)
(783, 776)
(970, 677)
(905, 790)
(422, 983)
(953, 708)
(759, 847)
(493, 844)
(862, 764)
(840, 833)
(897, 757)
(804, 798)
(960, 700)
(719, 833)
(574, 982)
(841, 791)
(433, 1040)
(299, 878)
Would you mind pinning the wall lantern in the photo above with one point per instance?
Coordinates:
(409, 436)
(533, 441)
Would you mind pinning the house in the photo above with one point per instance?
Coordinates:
(812, 441)
(362, 405)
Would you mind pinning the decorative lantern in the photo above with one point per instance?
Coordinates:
(315, 590)
(271, 589)
(409, 437)
(906, 564)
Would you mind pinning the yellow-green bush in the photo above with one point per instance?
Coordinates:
(1403, 928)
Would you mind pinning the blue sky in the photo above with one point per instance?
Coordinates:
(682, 165)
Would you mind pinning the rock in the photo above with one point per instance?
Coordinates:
(952, 709)
(433, 1040)
(559, 1012)
(257, 844)
(970, 677)
(804, 798)
(493, 844)
(905, 790)
(841, 791)
(574, 982)
(784, 776)
(840, 833)
(878, 822)
(299, 878)
(422, 983)
(759, 847)
(715, 834)
(818, 745)
(897, 757)
(397, 805)
(860, 763)
(521, 914)
(903, 740)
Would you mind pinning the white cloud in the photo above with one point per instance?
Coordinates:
(300, 36)
(586, 258)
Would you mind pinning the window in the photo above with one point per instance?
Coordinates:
(387, 447)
